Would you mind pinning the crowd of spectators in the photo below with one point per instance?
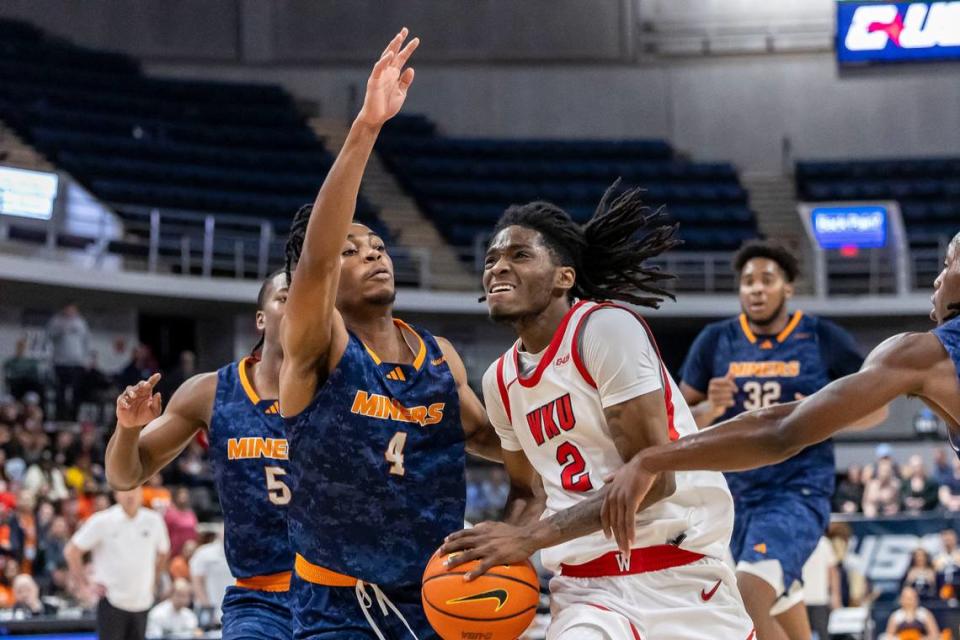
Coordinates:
(885, 488)
(52, 481)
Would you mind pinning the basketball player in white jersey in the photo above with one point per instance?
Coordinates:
(581, 392)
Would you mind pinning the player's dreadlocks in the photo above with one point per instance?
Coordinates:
(609, 251)
(261, 302)
(294, 246)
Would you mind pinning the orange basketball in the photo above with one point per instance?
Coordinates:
(499, 605)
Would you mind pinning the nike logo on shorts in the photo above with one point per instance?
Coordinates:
(707, 595)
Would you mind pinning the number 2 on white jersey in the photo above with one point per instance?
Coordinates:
(277, 489)
(394, 453)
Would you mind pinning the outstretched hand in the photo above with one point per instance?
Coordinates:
(626, 489)
(138, 404)
(388, 82)
(491, 543)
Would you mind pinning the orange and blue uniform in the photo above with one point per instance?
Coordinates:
(377, 474)
(788, 501)
(248, 452)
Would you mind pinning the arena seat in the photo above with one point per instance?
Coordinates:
(464, 184)
(187, 145)
(927, 189)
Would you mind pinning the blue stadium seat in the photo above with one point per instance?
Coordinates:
(465, 184)
(927, 189)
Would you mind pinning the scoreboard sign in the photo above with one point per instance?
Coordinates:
(869, 32)
(840, 227)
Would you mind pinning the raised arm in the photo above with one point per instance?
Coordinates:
(480, 436)
(901, 365)
(310, 321)
(146, 441)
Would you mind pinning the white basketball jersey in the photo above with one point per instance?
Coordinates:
(557, 417)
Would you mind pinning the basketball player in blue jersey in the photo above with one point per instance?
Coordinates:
(237, 409)
(379, 413)
(764, 356)
(924, 365)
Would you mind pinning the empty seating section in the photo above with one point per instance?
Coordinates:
(135, 141)
(465, 184)
(928, 191)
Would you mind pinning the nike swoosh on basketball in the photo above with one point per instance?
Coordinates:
(707, 595)
(500, 595)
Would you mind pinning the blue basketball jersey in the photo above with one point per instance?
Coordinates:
(377, 466)
(801, 359)
(949, 335)
(248, 452)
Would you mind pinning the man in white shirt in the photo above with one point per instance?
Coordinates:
(173, 618)
(210, 572)
(129, 546)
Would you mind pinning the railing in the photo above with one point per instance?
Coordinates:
(169, 241)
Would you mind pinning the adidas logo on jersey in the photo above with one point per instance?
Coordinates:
(397, 374)
(251, 447)
(374, 405)
(546, 422)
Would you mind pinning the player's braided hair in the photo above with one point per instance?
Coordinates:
(609, 251)
(294, 246)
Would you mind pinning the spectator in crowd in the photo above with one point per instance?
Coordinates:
(210, 573)
(181, 520)
(881, 496)
(849, 494)
(22, 374)
(921, 576)
(193, 467)
(23, 531)
(129, 546)
(142, 365)
(173, 617)
(949, 493)
(26, 595)
(43, 478)
(919, 491)
(53, 542)
(172, 380)
(155, 495)
(180, 564)
(947, 565)
(941, 466)
(94, 382)
(911, 620)
(69, 336)
(9, 570)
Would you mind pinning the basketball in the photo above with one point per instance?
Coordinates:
(498, 605)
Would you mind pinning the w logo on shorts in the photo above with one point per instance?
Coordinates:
(623, 561)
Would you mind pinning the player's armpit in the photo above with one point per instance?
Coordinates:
(134, 455)
(480, 436)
